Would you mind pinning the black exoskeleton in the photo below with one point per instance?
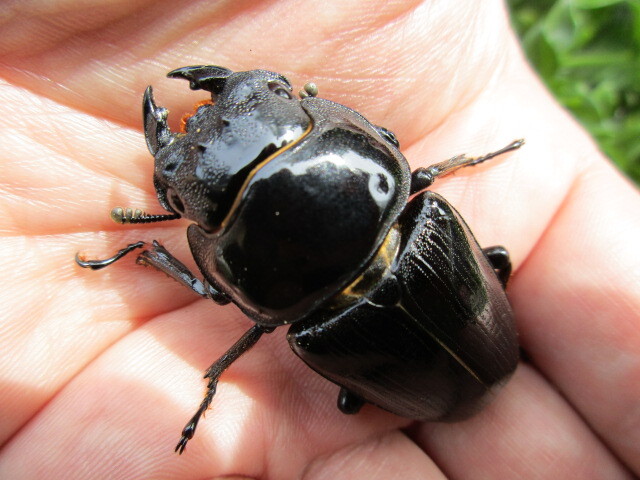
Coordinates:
(302, 215)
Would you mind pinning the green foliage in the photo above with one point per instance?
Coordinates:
(588, 53)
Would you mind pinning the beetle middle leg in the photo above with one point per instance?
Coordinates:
(421, 178)
(158, 257)
(213, 373)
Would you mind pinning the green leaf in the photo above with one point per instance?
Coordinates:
(588, 54)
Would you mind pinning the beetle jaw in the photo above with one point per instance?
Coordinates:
(200, 171)
(156, 130)
(210, 78)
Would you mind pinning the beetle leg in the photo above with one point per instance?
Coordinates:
(159, 258)
(499, 258)
(348, 402)
(421, 178)
(98, 264)
(213, 373)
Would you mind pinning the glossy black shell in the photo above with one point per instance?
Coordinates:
(309, 219)
(433, 338)
(291, 197)
(302, 216)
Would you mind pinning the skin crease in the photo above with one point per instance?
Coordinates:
(101, 370)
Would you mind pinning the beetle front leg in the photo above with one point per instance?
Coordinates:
(213, 373)
(99, 264)
(159, 258)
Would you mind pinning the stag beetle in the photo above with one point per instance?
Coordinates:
(302, 216)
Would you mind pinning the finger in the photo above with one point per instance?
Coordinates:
(270, 418)
(529, 431)
(585, 336)
(391, 456)
(56, 316)
(131, 51)
(123, 412)
(63, 170)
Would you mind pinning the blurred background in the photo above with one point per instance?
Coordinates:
(588, 54)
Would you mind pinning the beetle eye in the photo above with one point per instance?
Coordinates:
(174, 202)
(280, 90)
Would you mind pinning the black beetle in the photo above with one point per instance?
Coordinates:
(302, 216)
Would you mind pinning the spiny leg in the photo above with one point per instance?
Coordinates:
(158, 257)
(421, 178)
(501, 262)
(213, 373)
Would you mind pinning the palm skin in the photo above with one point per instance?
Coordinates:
(102, 370)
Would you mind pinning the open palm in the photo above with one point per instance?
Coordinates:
(100, 370)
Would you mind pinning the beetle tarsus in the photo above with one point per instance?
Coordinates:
(98, 264)
(187, 433)
(422, 178)
(213, 373)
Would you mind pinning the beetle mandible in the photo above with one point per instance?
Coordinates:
(302, 216)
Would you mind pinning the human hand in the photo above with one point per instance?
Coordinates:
(103, 370)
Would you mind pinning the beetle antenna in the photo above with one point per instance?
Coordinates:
(129, 215)
(310, 90)
(421, 178)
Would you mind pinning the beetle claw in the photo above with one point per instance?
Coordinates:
(187, 434)
(203, 77)
(98, 264)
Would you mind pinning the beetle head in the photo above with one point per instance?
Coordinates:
(199, 173)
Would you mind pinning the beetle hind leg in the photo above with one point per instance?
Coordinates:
(501, 262)
(348, 402)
